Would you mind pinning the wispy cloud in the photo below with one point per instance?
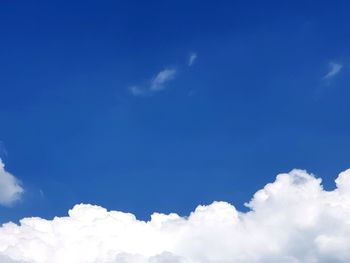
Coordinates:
(192, 58)
(334, 69)
(156, 84)
(160, 80)
(10, 188)
(137, 90)
(162, 77)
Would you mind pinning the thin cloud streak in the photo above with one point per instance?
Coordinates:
(334, 69)
(10, 187)
(162, 77)
(157, 83)
(137, 91)
(192, 59)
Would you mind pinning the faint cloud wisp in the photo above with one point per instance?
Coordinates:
(162, 77)
(192, 59)
(334, 69)
(10, 188)
(158, 83)
(160, 80)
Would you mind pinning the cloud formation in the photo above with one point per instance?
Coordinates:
(162, 77)
(334, 69)
(156, 84)
(10, 188)
(292, 220)
(192, 59)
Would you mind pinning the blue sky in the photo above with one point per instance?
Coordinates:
(267, 92)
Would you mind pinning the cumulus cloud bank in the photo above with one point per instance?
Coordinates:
(290, 220)
(10, 188)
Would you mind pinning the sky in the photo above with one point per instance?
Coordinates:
(161, 106)
(141, 131)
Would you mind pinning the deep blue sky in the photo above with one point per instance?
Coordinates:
(255, 102)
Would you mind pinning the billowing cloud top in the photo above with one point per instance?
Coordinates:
(10, 188)
(290, 220)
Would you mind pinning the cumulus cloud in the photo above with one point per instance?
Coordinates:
(334, 69)
(291, 220)
(158, 83)
(192, 59)
(10, 188)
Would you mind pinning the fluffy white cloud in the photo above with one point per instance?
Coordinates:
(10, 188)
(334, 69)
(291, 220)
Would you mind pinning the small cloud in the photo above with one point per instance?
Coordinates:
(162, 77)
(10, 188)
(334, 69)
(192, 59)
(136, 90)
(156, 84)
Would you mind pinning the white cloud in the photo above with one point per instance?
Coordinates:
(192, 59)
(334, 69)
(292, 220)
(162, 77)
(10, 188)
(156, 84)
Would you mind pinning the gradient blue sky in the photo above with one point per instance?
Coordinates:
(257, 100)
